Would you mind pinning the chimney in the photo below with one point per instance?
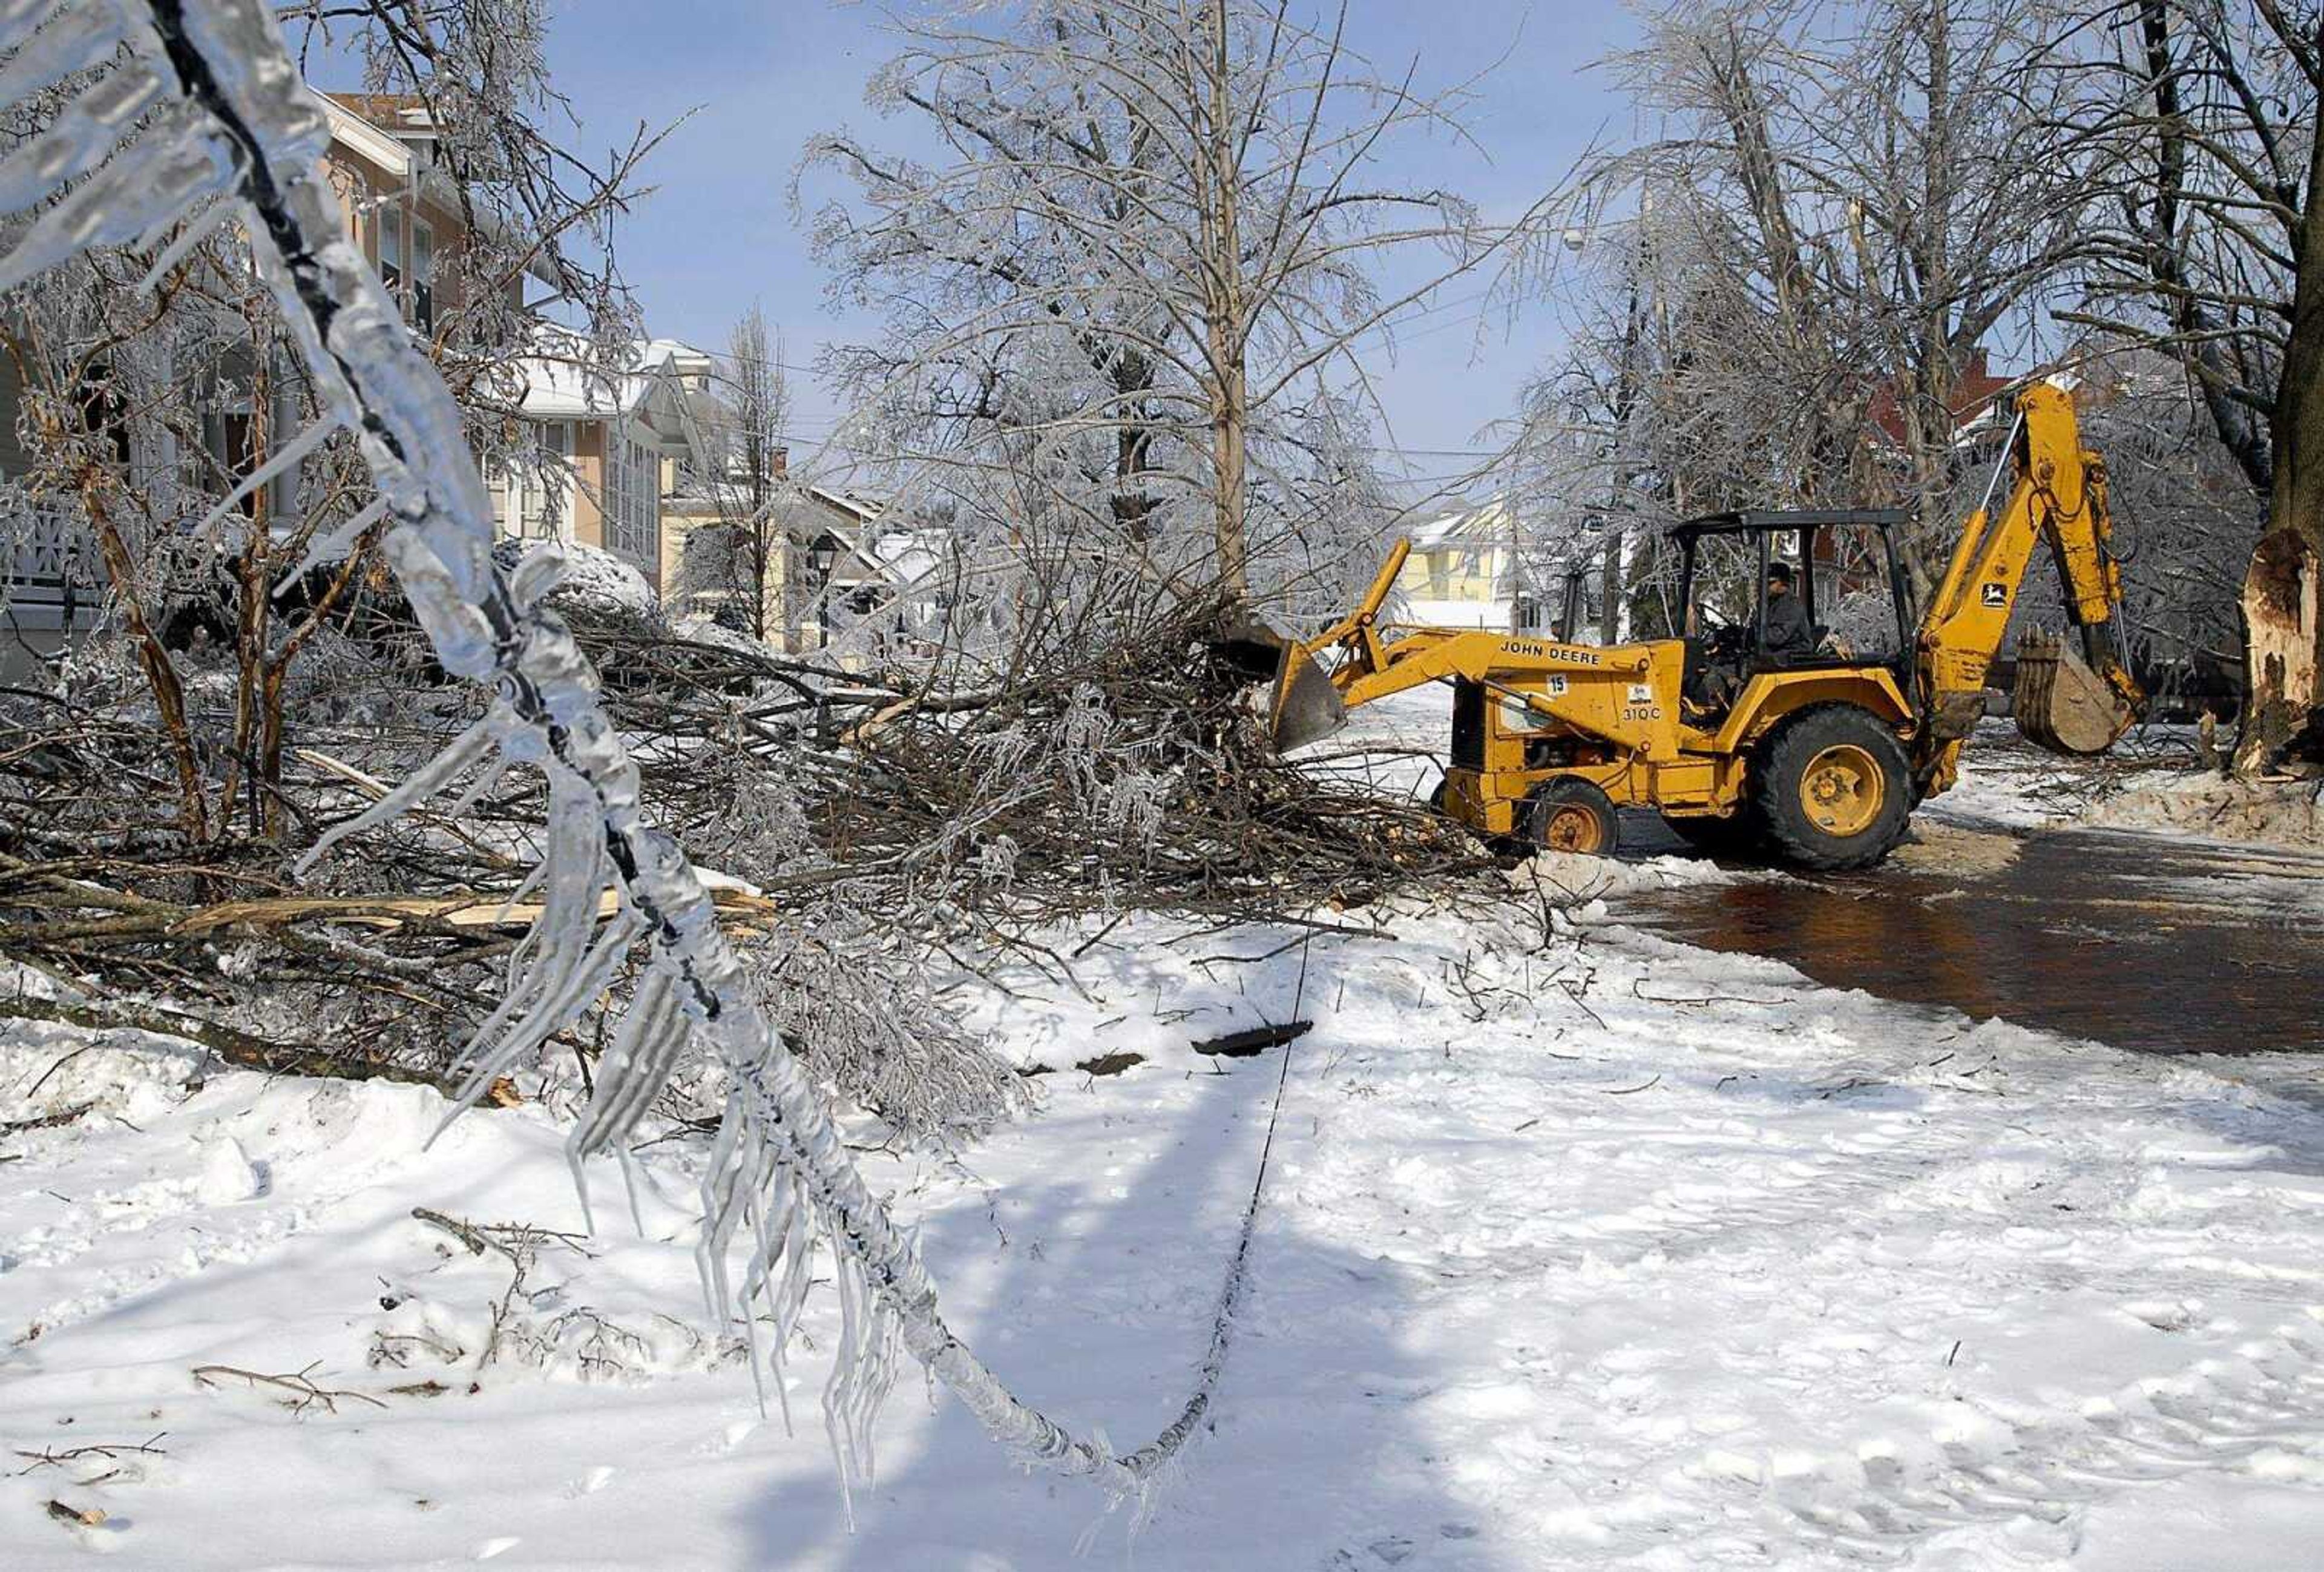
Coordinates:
(781, 464)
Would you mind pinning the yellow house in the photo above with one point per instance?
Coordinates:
(827, 555)
(1463, 570)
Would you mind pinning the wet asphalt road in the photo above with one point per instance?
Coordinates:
(2144, 942)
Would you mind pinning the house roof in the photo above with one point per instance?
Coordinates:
(387, 130)
(909, 556)
(1490, 521)
(1971, 402)
(562, 382)
(404, 113)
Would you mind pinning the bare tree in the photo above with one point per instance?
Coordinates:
(738, 559)
(2205, 240)
(1142, 276)
(1850, 205)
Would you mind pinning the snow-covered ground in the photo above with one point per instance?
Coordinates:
(1578, 1251)
(2149, 781)
(1581, 1249)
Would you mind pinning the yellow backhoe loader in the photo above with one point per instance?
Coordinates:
(1817, 755)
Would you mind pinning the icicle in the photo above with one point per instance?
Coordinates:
(334, 546)
(466, 803)
(440, 772)
(286, 457)
(83, 37)
(171, 166)
(632, 1071)
(81, 138)
(721, 1199)
(192, 231)
(630, 1187)
(772, 1366)
(547, 1002)
(525, 886)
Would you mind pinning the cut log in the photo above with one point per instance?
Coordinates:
(1257, 1039)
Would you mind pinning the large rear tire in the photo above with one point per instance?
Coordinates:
(1834, 790)
(1570, 815)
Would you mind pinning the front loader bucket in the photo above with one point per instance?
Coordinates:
(2060, 703)
(1304, 708)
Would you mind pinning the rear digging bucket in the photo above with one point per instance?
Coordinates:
(2062, 704)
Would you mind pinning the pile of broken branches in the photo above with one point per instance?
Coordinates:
(866, 817)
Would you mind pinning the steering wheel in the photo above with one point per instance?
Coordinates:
(1727, 639)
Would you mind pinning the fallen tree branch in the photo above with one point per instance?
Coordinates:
(1255, 1040)
(304, 1393)
(235, 1047)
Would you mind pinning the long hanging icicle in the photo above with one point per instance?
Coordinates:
(244, 123)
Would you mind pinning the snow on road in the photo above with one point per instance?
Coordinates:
(1578, 1251)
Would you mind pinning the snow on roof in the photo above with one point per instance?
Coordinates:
(564, 382)
(1489, 520)
(909, 556)
(865, 508)
(676, 352)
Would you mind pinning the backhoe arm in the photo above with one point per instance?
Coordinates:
(2058, 495)
(1310, 703)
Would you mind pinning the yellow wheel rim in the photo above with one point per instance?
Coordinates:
(1842, 791)
(1571, 827)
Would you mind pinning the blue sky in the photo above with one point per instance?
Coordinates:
(761, 76)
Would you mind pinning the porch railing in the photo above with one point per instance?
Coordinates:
(48, 561)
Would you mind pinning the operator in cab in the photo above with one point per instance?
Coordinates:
(1786, 636)
(1781, 636)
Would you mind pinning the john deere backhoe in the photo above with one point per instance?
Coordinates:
(1817, 756)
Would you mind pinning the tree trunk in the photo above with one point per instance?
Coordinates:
(2284, 640)
(1613, 590)
(1227, 346)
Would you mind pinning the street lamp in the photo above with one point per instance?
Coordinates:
(824, 554)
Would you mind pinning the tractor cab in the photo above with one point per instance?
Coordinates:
(1845, 569)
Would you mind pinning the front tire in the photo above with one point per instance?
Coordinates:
(1834, 790)
(1570, 815)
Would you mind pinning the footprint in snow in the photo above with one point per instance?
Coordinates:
(735, 1433)
(591, 1482)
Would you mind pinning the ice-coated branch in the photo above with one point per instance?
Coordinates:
(235, 120)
